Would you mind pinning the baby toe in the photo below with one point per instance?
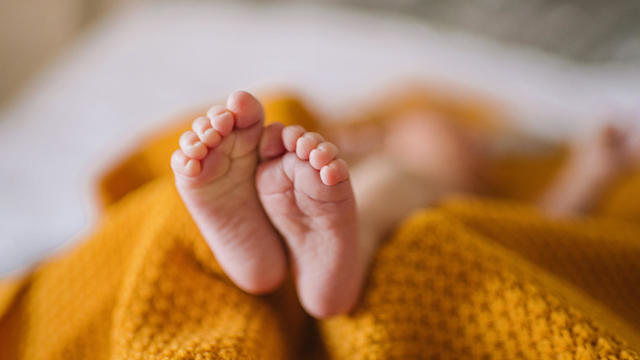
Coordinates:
(290, 136)
(216, 110)
(200, 125)
(191, 145)
(334, 173)
(184, 165)
(306, 143)
(206, 133)
(322, 155)
(221, 119)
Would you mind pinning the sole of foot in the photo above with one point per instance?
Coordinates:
(306, 192)
(215, 175)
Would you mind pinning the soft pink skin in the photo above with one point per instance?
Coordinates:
(304, 189)
(312, 204)
(215, 176)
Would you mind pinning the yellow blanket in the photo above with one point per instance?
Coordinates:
(473, 278)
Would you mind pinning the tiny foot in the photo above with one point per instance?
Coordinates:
(306, 192)
(214, 174)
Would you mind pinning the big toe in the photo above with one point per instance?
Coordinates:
(248, 120)
(246, 108)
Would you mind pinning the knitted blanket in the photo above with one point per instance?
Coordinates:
(471, 279)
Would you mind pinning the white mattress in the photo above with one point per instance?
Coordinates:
(135, 69)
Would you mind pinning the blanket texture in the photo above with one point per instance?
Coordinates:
(473, 278)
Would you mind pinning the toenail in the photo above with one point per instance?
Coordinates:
(328, 147)
(216, 119)
(216, 110)
(303, 142)
(313, 136)
(221, 114)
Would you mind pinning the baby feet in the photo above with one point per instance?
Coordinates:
(215, 176)
(304, 189)
(306, 192)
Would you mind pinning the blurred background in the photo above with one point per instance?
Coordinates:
(82, 81)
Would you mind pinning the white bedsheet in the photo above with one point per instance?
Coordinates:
(139, 66)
